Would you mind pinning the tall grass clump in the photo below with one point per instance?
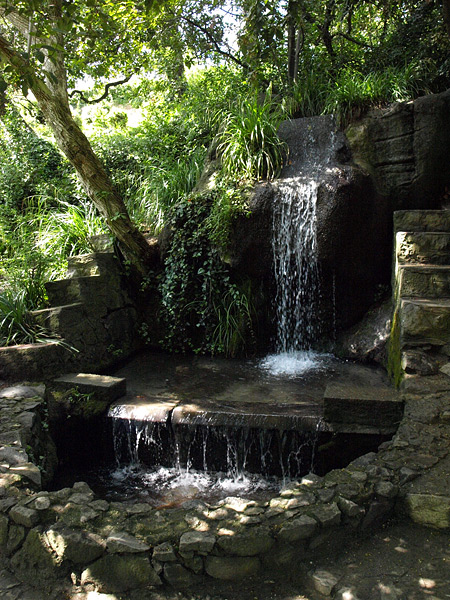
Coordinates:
(234, 314)
(248, 142)
(66, 230)
(353, 93)
(150, 194)
(309, 94)
(17, 325)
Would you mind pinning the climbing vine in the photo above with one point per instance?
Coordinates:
(203, 310)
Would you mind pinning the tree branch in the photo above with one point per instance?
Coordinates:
(21, 66)
(214, 42)
(105, 93)
(354, 40)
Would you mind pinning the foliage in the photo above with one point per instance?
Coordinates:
(203, 310)
(66, 230)
(30, 164)
(229, 201)
(17, 325)
(248, 143)
(320, 57)
(353, 93)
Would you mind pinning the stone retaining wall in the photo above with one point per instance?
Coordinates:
(114, 547)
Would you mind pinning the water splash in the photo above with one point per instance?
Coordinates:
(292, 364)
(170, 465)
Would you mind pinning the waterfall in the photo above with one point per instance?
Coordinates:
(294, 244)
(170, 464)
(295, 251)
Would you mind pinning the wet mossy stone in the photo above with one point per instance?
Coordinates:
(4, 521)
(77, 546)
(116, 573)
(85, 395)
(230, 568)
(35, 560)
(247, 543)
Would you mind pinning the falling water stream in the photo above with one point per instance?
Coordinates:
(168, 465)
(296, 270)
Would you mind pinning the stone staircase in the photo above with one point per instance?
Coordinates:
(92, 312)
(420, 338)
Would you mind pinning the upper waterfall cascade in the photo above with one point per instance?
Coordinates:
(294, 244)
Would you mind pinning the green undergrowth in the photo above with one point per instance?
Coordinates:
(45, 216)
(352, 92)
(203, 309)
(248, 143)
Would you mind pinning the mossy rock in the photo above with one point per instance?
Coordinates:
(74, 403)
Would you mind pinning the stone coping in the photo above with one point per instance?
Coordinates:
(114, 547)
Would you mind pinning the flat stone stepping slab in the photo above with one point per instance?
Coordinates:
(103, 386)
(369, 406)
(304, 417)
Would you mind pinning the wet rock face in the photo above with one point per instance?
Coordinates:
(366, 341)
(405, 150)
(352, 221)
(354, 234)
(393, 158)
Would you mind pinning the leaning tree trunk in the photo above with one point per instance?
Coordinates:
(76, 147)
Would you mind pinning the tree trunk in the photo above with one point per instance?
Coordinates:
(76, 147)
(52, 97)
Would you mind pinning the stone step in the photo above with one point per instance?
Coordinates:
(423, 281)
(90, 290)
(69, 291)
(422, 220)
(88, 265)
(424, 321)
(430, 248)
(61, 319)
(364, 405)
(105, 388)
(426, 500)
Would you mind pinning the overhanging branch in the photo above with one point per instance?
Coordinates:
(105, 93)
(353, 40)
